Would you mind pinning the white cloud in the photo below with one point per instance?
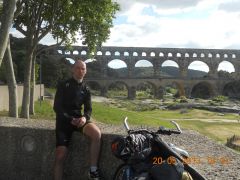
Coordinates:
(174, 23)
(186, 24)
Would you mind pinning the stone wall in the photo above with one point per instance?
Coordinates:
(28, 147)
(4, 102)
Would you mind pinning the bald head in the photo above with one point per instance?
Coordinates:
(79, 63)
(79, 69)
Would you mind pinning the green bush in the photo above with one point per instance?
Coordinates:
(220, 98)
(171, 90)
(183, 99)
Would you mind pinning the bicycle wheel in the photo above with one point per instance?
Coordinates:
(123, 172)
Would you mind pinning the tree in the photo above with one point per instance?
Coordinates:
(64, 19)
(12, 85)
(7, 14)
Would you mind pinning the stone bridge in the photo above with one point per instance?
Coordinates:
(182, 57)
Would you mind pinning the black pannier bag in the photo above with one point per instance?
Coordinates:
(167, 171)
(134, 146)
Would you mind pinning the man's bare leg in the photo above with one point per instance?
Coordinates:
(61, 153)
(94, 133)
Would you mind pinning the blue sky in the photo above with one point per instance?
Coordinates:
(208, 24)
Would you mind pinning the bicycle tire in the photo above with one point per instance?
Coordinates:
(120, 172)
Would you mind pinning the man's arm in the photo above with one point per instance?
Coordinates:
(88, 105)
(58, 103)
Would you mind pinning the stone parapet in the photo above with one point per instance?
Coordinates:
(28, 150)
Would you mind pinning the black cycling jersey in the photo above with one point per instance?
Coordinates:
(69, 99)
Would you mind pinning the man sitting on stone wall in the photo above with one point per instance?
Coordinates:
(69, 99)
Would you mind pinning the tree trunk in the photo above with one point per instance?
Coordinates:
(33, 82)
(27, 79)
(6, 22)
(12, 84)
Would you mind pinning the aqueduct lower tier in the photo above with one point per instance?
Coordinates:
(186, 88)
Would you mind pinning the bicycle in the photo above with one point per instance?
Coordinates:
(146, 155)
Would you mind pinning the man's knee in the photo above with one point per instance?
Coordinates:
(92, 131)
(61, 153)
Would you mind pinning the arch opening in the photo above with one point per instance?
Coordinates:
(94, 87)
(117, 90)
(169, 68)
(93, 68)
(224, 68)
(202, 90)
(197, 69)
(232, 90)
(117, 68)
(143, 68)
(145, 90)
(174, 90)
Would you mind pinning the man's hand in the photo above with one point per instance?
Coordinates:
(78, 122)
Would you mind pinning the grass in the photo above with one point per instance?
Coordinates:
(219, 131)
(51, 90)
(192, 119)
(44, 110)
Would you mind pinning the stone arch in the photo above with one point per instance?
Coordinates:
(218, 55)
(83, 52)
(225, 56)
(202, 55)
(179, 55)
(75, 52)
(89, 60)
(117, 68)
(94, 87)
(108, 53)
(135, 54)
(93, 68)
(194, 55)
(145, 90)
(210, 55)
(67, 52)
(232, 90)
(226, 66)
(143, 68)
(60, 51)
(197, 69)
(187, 55)
(99, 53)
(170, 68)
(202, 90)
(152, 54)
(161, 54)
(176, 89)
(144, 54)
(71, 60)
(117, 89)
(233, 56)
(126, 53)
(117, 53)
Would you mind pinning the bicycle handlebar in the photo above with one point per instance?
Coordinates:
(162, 130)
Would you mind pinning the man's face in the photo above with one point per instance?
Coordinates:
(79, 70)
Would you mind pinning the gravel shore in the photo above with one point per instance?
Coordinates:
(215, 161)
